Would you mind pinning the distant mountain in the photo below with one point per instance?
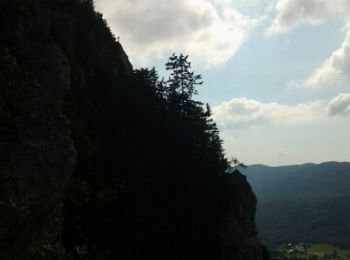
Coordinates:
(302, 203)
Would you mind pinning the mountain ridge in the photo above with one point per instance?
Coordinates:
(294, 180)
(297, 164)
(302, 203)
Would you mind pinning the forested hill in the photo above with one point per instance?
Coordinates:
(311, 181)
(307, 203)
(102, 161)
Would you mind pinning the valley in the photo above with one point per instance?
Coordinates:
(303, 204)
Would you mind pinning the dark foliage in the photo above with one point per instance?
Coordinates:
(150, 179)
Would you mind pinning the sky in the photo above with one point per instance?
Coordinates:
(276, 72)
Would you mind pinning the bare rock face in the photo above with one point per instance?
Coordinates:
(238, 233)
(36, 147)
(43, 130)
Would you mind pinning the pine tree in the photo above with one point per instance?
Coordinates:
(182, 80)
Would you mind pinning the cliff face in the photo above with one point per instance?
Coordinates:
(86, 145)
(37, 154)
(238, 232)
(47, 60)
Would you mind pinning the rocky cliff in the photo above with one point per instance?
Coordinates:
(85, 151)
(238, 233)
(37, 154)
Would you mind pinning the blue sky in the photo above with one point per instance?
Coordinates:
(276, 73)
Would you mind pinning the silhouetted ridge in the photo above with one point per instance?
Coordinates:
(102, 161)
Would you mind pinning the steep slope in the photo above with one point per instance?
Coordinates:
(302, 203)
(101, 161)
(238, 233)
(47, 90)
(37, 154)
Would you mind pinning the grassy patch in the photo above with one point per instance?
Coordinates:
(323, 249)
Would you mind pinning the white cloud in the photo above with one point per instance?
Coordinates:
(278, 134)
(224, 3)
(154, 28)
(239, 3)
(291, 13)
(244, 112)
(340, 105)
(335, 70)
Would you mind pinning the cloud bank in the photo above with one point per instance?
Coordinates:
(244, 112)
(275, 133)
(153, 28)
(334, 70)
(291, 13)
(340, 105)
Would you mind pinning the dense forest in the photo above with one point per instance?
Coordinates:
(307, 203)
(99, 160)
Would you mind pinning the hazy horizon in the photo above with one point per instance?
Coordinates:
(304, 163)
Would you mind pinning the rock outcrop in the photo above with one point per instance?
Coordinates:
(36, 148)
(238, 233)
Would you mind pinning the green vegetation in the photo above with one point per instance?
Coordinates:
(307, 181)
(304, 251)
(303, 203)
(326, 249)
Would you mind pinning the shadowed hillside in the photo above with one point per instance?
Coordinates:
(99, 160)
